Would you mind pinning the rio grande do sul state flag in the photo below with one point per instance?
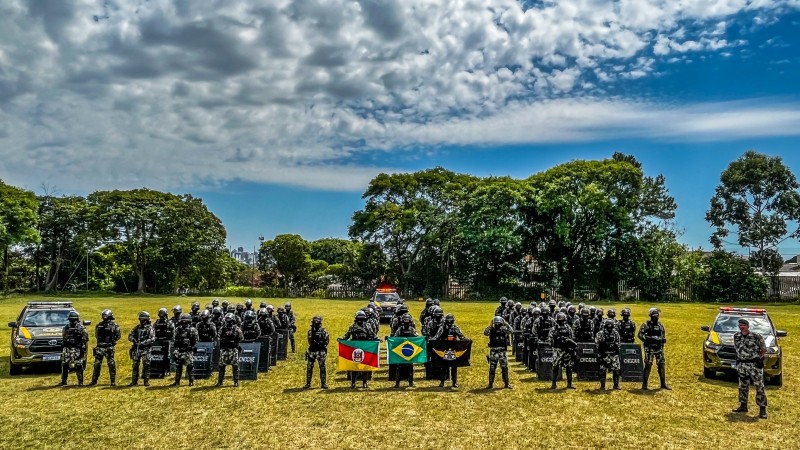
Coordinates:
(406, 350)
(358, 356)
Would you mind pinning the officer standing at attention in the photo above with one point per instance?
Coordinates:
(499, 340)
(141, 337)
(750, 351)
(608, 352)
(406, 329)
(626, 327)
(564, 346)
(185, 342)
(229, 338)
(654, 336)
(318, 340)
(449, 331)
(107, 334)
(73, 356)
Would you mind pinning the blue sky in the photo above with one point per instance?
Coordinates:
(279, 112)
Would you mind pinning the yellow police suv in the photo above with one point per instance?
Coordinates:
(36, 335)
(719, 354)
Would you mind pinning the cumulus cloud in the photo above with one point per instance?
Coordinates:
(180, 93)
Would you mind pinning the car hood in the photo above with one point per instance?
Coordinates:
(727, 339)
(41, 332)
(387, 304)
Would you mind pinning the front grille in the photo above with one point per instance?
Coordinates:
(44, 346)
(727, 352)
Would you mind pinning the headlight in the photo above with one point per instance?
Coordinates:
(773, 350)
(712, 346)
(22, 341)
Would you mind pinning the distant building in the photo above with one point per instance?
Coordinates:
(244, 257)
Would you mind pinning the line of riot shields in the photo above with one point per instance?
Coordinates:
(537, 357)
(254, 357)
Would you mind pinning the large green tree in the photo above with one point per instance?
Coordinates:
(18, 218)
(757, 199)
(63, 226)
(289, 256)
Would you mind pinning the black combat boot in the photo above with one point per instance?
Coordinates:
(112, 373)
(762, 412)
(134, 378)
(662, 375)
(646, 377)
(491, 380)
(146, 378)
(569, 379)
(178, 375)
(615, 377)
(741, 409)
(455, 378)
(79, 373)
(95, 375)
(555, 377)
(235, 375)
(64, 373)
(221, 376)
(441, 383)
(506, 383)
(323, 376)
(190, 373)
(309, 374)
(602, 382)
(365, 384)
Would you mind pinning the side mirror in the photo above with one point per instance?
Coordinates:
(781, 333)
(86, 323)
(13, 324)
(706, 328)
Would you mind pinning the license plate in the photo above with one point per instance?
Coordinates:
(51, 358)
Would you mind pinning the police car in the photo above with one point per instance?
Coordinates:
(387, 298)
(36, 335)
(719, 354)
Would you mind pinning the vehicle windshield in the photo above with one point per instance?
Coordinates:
(390, 297)
(46, 318)
(730, 324)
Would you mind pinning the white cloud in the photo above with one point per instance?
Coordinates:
(177, 94)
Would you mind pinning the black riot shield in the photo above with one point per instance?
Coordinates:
(630, 360)
(587, 366)
(274, 342)
(283, 340)
(544, 363)
(203, 360)
(159, 359)
(264, 358)
(530, 353)
(519, 344)
(248, 360)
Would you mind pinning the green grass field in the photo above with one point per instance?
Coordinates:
(274, 412)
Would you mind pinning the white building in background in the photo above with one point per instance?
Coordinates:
(244, 257)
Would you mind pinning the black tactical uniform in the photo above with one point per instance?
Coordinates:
(250, 328)
(141, 337)
(405, 371)
(292, 320)
(107, 334)
(564, 347)
(626, 327)
(229, 338)
(183, 353)
(318, 340)
(73, 356)
(584, 327)
(499, 341)
(206, 330)
(449, 331)
(359, 331)
(654, 336)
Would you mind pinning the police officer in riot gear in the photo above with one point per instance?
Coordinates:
(318, 340)
(206, 330)
(529, 332)
(564, 347)
(142, 336)
(499, 310)
(265, 323)
(287, 308)
(73, 355)
(394, 324)
(183, 353)
(583, 327)
(195, 313)
(214, 303)
(499, 341)
(225, 306)
(654, 336)
(626, 327)
(405, 371)
(426, 311)
(107, 333)
(598, 320)
(248, 305)
(217, 317)
(449, 331)
(552, 305)
(359, 331)
(250, 328)
(229, 338)
(176, 315)
(608, 342)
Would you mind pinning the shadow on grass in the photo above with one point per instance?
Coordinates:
(548, 391)
(161, 388)
(741, 418)
(295, 390)
(119, 387)
(598, 392)
(445, 389)
(212, 387)
(644, 392)
(43, 388)
(484, 391)
(342, 390)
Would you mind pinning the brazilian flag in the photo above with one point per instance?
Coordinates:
(407, 350)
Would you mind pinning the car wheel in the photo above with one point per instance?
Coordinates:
(14, 369)
(709, 373)
(777, 380)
